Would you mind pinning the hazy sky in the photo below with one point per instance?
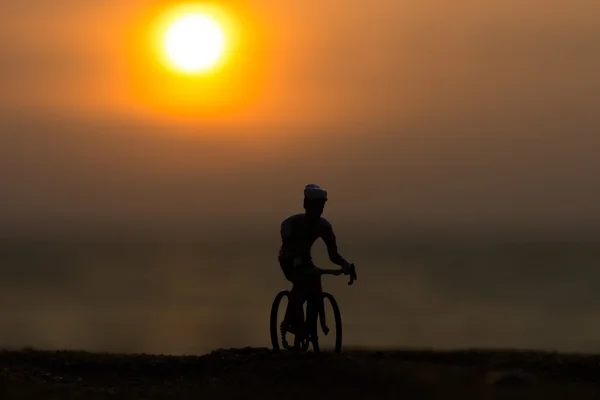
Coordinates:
(423, 113)
(416, 116)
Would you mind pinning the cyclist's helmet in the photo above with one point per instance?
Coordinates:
(314, 192)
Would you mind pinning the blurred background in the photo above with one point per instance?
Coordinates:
(458, 143)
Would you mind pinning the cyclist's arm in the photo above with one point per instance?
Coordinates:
(332, 249)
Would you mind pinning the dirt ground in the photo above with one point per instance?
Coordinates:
(253, 373)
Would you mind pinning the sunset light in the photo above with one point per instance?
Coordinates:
(200, 196)
(196, 60)
(194, 42)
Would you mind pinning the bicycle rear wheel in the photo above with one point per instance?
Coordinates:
(338, 321)
(274, 325)
(279, 339)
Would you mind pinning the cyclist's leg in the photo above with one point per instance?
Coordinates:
(288, 269)
(307, 283)
(294, 313)
(315, 306)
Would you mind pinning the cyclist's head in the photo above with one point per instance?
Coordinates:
(314, 200)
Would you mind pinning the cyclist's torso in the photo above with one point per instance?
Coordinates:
(298, 234)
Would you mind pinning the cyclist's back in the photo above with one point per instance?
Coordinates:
(300, 231)
(298, 234)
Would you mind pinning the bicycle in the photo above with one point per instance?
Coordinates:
(303, 341)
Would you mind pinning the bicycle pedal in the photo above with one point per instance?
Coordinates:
(326, 330)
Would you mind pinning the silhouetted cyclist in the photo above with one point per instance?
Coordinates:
(298, 233)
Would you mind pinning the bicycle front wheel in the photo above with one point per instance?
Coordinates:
(338, 321)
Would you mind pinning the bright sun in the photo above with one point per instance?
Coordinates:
(194, 42)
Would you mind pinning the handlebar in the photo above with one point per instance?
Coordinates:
(350, 271)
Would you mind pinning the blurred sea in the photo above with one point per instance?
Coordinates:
(192, 296)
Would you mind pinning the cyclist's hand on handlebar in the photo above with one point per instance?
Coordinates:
(352, 273)
(347, 268)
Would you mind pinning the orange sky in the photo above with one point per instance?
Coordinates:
(488, 108)
(325, 60)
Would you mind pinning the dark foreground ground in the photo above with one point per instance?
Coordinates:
(261, 374)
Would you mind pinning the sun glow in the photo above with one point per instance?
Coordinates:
(194, 42)
(197, 59)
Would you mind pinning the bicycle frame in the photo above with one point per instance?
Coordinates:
(316, 312)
